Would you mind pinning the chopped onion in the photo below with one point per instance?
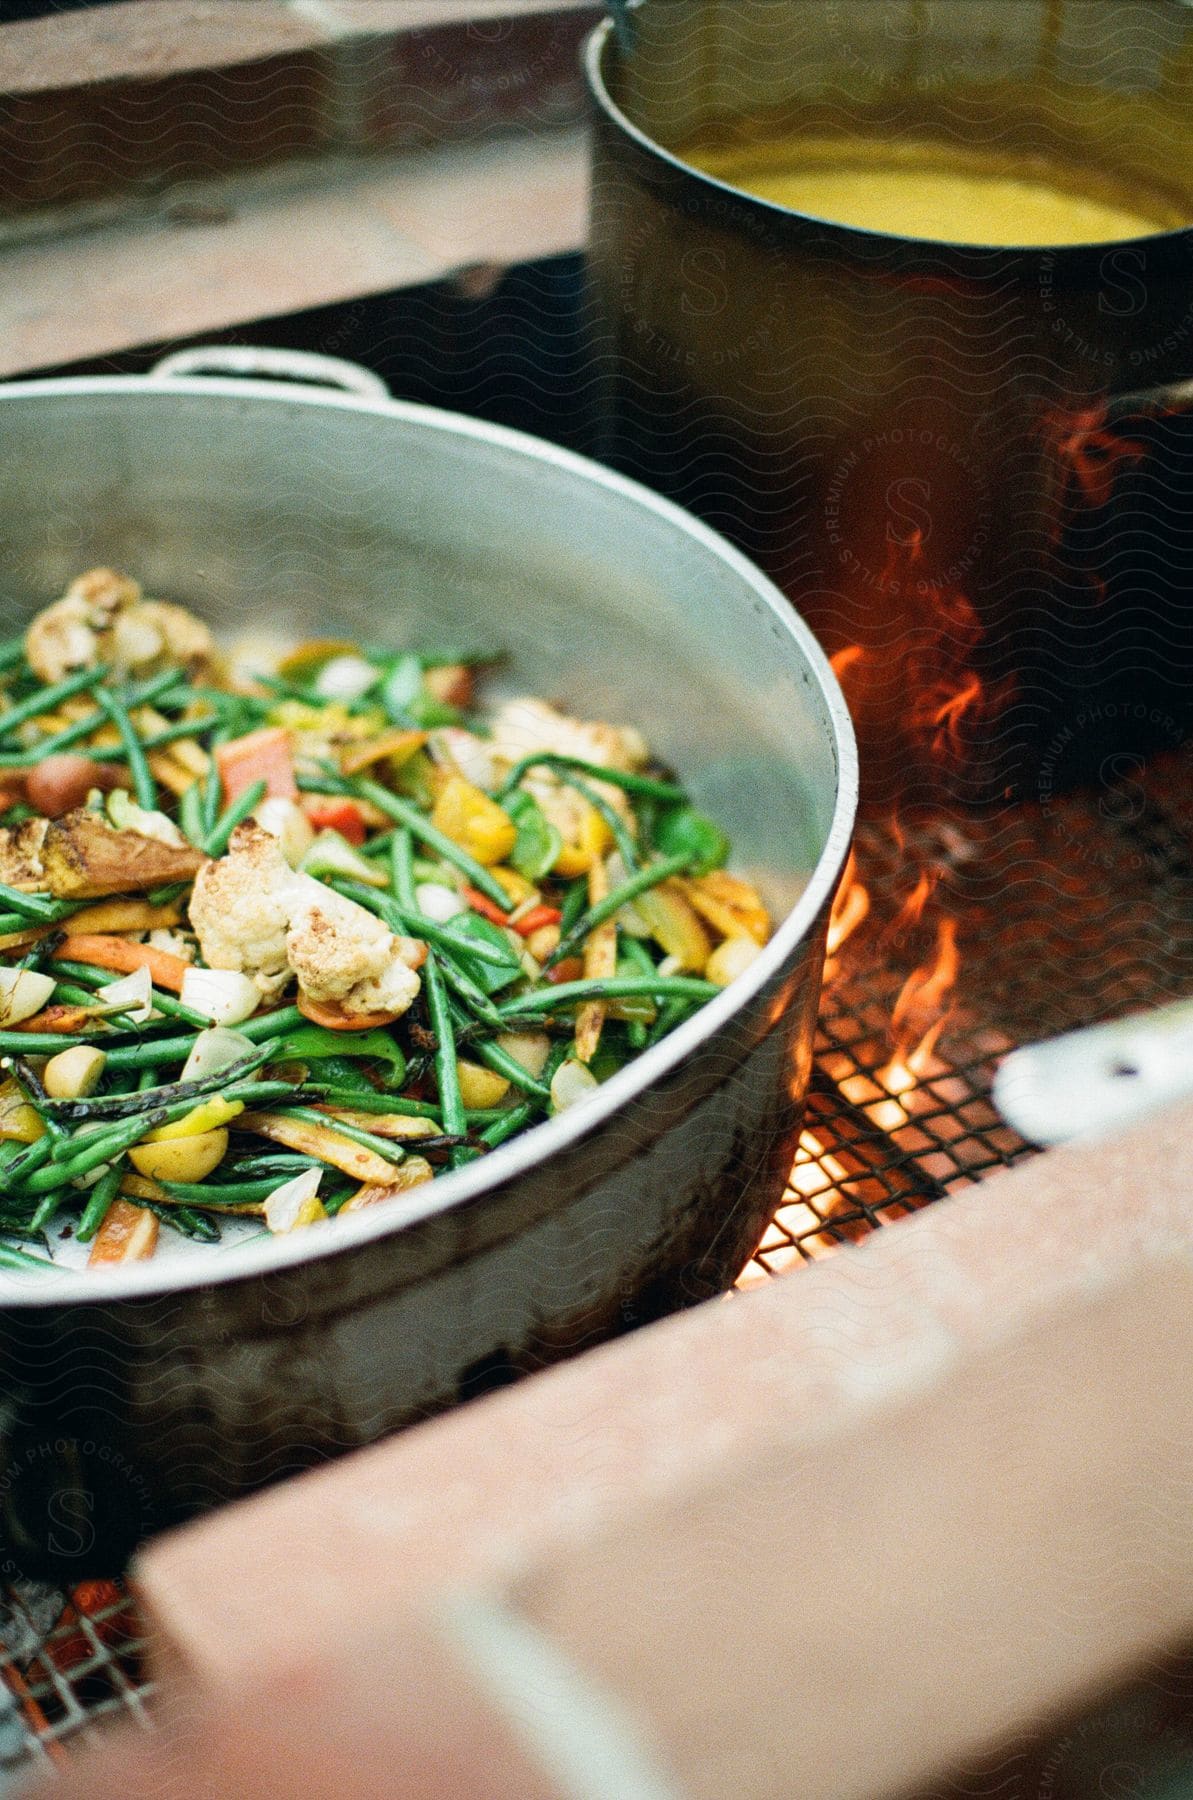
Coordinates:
(295, 1203)
(23, 992)
(132, 994)
(215, 1050)
(221, 995)
(571, 1083)
(125, 815)
(439, 903)
(285, 820)
(346, 678)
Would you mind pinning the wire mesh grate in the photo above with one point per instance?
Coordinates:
(68, 1665)
(1060, 917)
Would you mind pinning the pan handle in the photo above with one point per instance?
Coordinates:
(252, 363)
(1100, 1079)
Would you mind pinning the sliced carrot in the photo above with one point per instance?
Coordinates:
(263, 755)
(123, 955)
(488, 909)
(57, 1018)
(535, 919)
(334, 1018)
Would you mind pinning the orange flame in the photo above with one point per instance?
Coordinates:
(849, 908)
(1091, 452)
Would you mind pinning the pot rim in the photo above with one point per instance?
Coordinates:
(466, 1186)
(596, 48)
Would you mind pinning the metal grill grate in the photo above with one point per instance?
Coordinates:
(1063, 916)
(68, 1664)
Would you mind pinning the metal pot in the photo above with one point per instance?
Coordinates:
(135, 1400)
(956, 460)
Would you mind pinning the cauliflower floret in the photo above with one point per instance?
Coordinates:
(346, 955)
(240, 909)
(103, 617)
(254, 914)
(525, 725)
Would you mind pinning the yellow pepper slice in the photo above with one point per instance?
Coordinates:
(471, 819)
(209, 1115)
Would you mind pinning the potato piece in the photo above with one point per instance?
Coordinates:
(128, 1234)
(85, 859)
(181, 1158)
(480, 1087)
(74, 1074)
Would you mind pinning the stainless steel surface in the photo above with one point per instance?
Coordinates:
(168, 1389)
(1100, 1079)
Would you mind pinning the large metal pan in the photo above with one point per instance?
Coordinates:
(135, 1400)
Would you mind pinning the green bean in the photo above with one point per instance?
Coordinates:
(450, 1100)
(393, 912)
(161, 1052)
(231, 817)
(12, 651)
(81, 728)
(42, 908)
(225, 1194)
(630, 784)
(271, 1025)
(613, 902)
(27, 1161)
(95, 979)
(144, 786)
(571, 993)
(99, 1147)
(47, 698)
(48, 1042)
(211, 792)
(101, 1198)
(474, 997)
(46, 1209)
(573, 906)
(392, 1105)
(12, 1258)
(670, 1015)
(514, 1121)
(402, 866)
(502, 1063)
(404, 812)
(169, 734)
(626, 846)
(119, 1106)
(180, 1218)
(190, 812)
(384, 1147)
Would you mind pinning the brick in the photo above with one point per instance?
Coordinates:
(516, 1479)
(148, 40)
